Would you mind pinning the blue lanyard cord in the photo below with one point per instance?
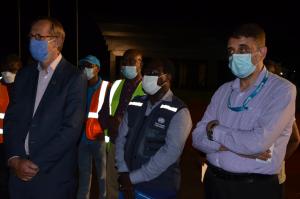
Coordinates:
(138, 195)
(250, 97)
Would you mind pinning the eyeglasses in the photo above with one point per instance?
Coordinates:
(152, 73)
(40, 37)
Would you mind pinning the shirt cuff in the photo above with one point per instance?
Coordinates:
(219, 133)
(136, 177)
(13, 157)
(123, 168)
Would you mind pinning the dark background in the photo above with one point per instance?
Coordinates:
(83, 36)
(210, 20)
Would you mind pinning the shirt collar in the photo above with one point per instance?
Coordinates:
(167, 97)
(52, 66)
(236, 82)
(134, 81)
(96, 86)
(261, 76)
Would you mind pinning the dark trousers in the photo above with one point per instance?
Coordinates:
(3, 174)
(40, 187)
(283, 193)
(219, 185)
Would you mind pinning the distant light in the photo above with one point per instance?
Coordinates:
(106, 138)
(294, 71)
(281, 73)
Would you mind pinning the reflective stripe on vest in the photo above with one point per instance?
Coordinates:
(135, 104)
(115, 94)
(113, 90)
(101, 97)
(107, 139)
(170, 108)
(1, 117)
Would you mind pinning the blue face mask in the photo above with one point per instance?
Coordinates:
(39, 49)
(241, 65)
(129, 72)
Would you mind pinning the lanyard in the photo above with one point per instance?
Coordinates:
(250, 97)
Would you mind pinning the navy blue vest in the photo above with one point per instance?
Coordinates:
(147, 135)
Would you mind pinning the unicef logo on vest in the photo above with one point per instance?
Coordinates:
(160, 123)
(161, 120)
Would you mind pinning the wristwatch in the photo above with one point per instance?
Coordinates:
(210, 132)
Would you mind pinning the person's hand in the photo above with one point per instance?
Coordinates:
(125, 185)
(114, 123)
(265, 155)
(23, 168)
(262, 156)
(223, 148)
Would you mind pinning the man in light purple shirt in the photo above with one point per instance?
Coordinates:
(247, 125)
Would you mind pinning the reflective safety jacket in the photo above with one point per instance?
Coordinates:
(93, 128)
(4, 99)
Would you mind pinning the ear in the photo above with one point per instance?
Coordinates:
(57, 42)
(166, 79)
(139, 69)
(263, 51)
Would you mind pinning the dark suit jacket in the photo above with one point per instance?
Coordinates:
(56, 125)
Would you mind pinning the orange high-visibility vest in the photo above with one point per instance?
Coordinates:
(93, 128)
(4, 99)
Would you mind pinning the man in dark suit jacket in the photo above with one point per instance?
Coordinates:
(44, 119)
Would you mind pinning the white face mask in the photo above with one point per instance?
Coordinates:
(149, 84)
(8, 77)
(89, 72)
